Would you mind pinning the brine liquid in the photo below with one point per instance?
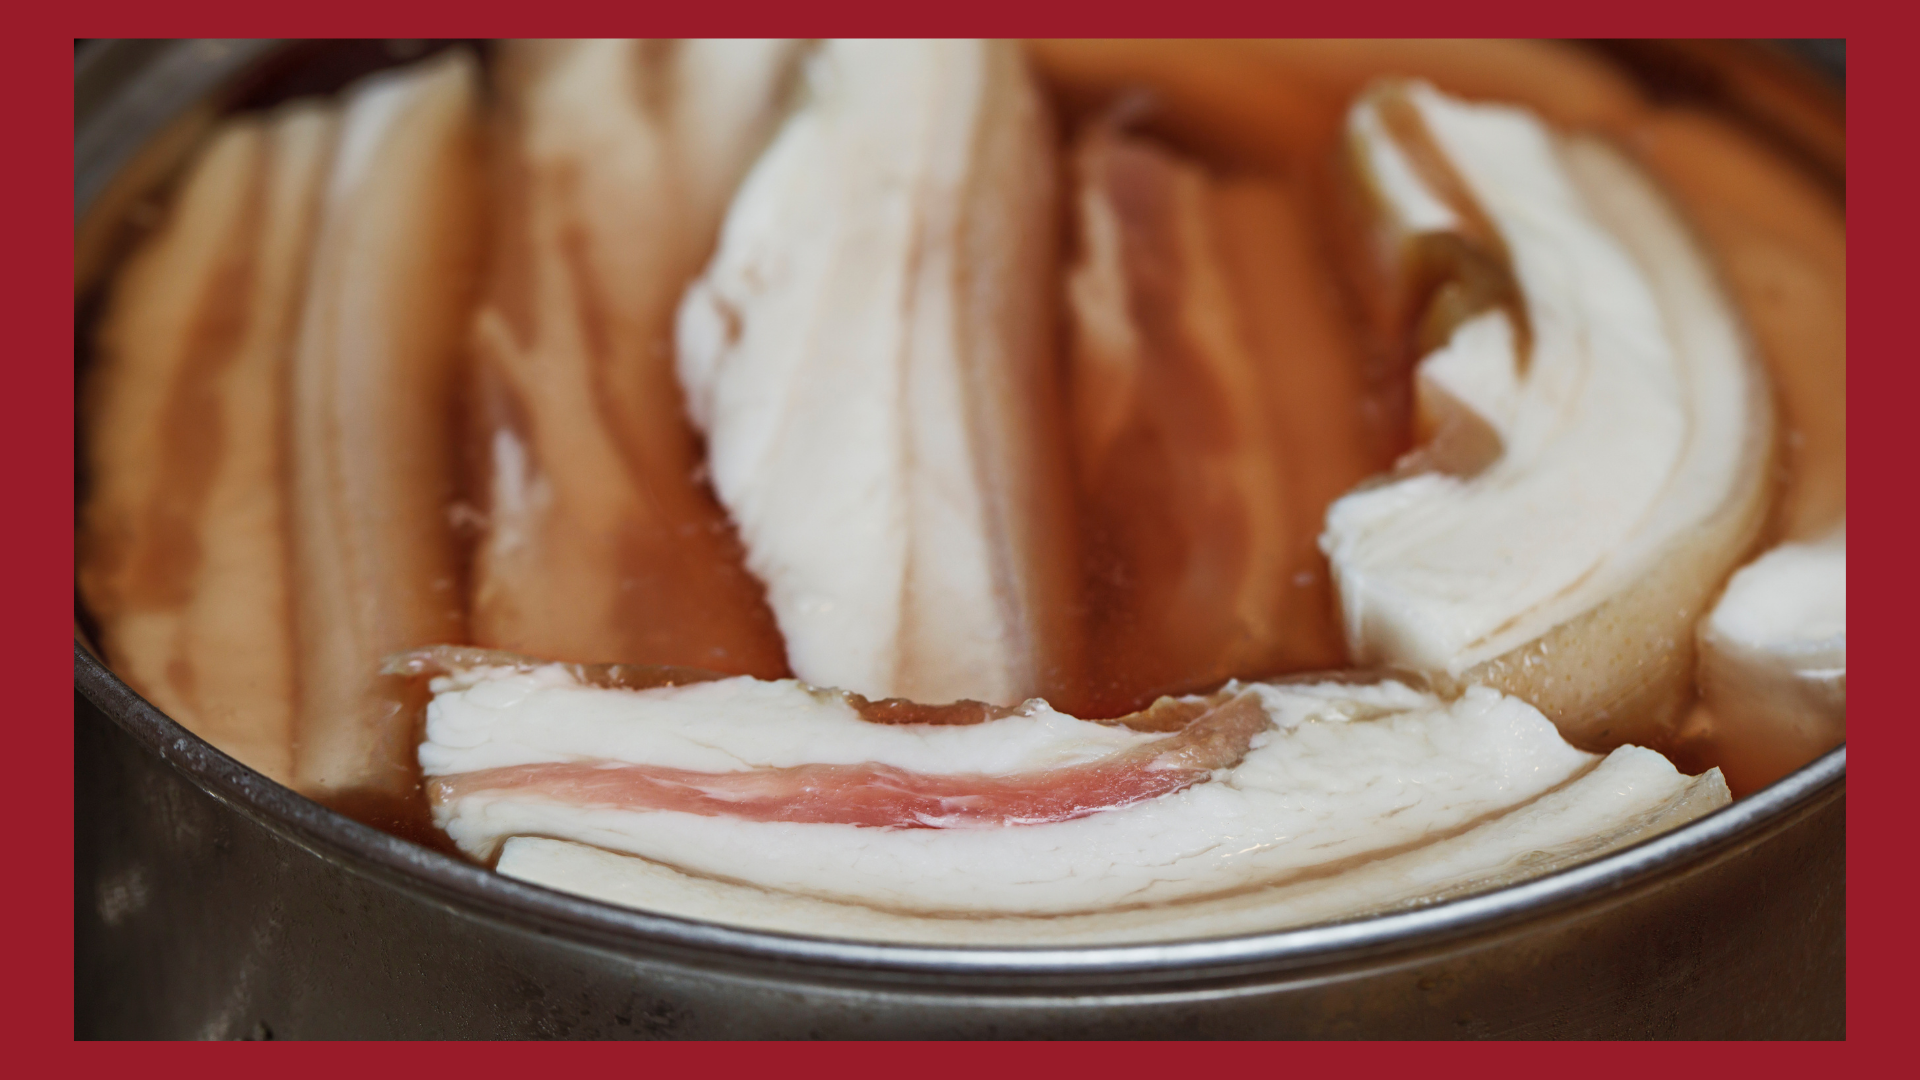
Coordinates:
(1250, 132)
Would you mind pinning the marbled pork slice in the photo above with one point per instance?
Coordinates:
(1598, 434)
(870, 356)
(1632, 795)
(375, 563)
(615, 161)
(1780, 241)
(183, 543)
(1325, 774)
(1216, 408)
(1279, 102)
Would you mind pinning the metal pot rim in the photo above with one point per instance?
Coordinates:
(451, 881)
(454, 883)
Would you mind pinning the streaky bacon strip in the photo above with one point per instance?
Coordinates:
(884, 796)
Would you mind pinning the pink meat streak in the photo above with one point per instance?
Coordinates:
(884, 796)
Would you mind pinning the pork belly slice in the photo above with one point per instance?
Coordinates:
(875, 794)
(615, 162)
(1780, 242)
(1633, 795)
(387, 304)
(183, 545)
(870, 357)
(1773, 664)
(1217, 407)
(785, 787)
(1597, 435)
(1279, 102)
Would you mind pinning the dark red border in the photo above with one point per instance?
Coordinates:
(1009, 18)
(38, 433)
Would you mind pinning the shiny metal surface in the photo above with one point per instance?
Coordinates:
(210, 902)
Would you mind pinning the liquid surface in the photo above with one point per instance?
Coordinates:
(1258, 123)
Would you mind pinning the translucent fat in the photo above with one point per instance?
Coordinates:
(376, 567)
(1634, 434)
(870, 354)
(1279, 103)
(1275, 786)
(602, 541)
(183, 541)
(1217, 408)
(1773, 665)
(267, 509)
(1780, 243)
(1565, 84)
(1632, 796)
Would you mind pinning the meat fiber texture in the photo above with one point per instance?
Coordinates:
(1339, 780)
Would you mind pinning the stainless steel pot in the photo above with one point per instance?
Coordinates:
(210, 902)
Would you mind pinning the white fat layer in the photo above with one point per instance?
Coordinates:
(519, 491)
(715, 115)
(491, 719)
(831, 299)
(1793, 598)
(1346, 772)
(1476, 369)
(584, 106)
(1634, 794)
(371, 112)
(1625, 428)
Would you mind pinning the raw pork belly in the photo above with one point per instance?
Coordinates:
(1629, 797)
(1027, 811)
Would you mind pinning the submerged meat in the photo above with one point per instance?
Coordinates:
(1598, 438)
(183, 544)
(602, 543)
(1217, 408)
(776, 785)
(1780, 243)
(375, 566)
(870, 356)
(1773, 664)
(1630, 796)
(1561, 81)
(1279, 102)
